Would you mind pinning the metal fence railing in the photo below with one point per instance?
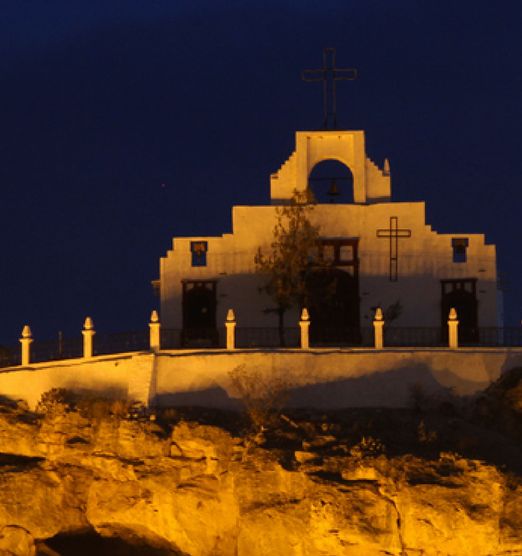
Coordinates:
(264, 337)
(121, 342)
(414, 336)
(10, 356)
(63, 348)
(188, 338)
(438, 337)
(261, 337)
(340, 337)
(503, 337)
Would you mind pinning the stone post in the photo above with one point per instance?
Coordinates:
(154, 332)
(378, 325)
(304, 324)
(26, 340)
(230, 325)
(88, 333)
(453, 329)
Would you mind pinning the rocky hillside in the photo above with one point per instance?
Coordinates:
(94, 479)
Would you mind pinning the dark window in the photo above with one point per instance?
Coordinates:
(199, 253)
(460, 246)
(338, 252)
(461, 294)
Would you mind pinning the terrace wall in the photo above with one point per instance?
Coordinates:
(321, 378)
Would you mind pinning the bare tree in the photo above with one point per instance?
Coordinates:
(291, 256)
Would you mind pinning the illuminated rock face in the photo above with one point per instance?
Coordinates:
(198, 491)
(389, 250)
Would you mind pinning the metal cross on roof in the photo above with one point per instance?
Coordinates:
(329, 75)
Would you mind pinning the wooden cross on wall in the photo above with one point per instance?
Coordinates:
(329, 75)
(394, 233)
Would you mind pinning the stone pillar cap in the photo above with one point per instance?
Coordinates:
(231, 317)
(26, 332)
(304, 314)
(88, 324)
(154, 316)
(378, 314)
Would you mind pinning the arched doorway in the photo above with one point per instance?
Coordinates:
(199, 313)
(331, 182)
(333, 304)
(462, 295)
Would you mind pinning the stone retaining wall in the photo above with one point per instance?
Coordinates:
(323, 378)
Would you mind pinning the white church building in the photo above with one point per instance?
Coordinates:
(369, 253)
(383, 253)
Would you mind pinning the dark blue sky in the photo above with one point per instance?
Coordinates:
(103, 102)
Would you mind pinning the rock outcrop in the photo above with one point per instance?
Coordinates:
(195, 489)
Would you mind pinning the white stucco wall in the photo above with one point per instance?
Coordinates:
(370, 183)
(424, 259)
(323, 378)
(119, 375)
(333, 378)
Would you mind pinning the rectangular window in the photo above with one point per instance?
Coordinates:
(460, 246)
(199, 253)
(329, 253)
(346, 253)
(339, 252)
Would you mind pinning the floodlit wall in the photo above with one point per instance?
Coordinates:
(333, 378)
(424, 259)
(120, 376)
(322, 378)
(370, 183)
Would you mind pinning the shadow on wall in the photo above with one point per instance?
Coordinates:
(513, 360)
(381, 389)
(387, 389)
(216, 397)
(108, 393)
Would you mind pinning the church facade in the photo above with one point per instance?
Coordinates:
(383, 254)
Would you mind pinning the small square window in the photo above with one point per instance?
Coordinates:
(199, 253)
(329, 253)
(346, 253)
(460, 246)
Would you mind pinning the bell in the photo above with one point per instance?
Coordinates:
(333, 191)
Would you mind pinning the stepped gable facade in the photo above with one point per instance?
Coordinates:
(383, 254)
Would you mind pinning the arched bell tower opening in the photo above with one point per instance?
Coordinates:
(331, 181)
(370, 183)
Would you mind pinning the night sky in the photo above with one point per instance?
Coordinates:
(126, 123)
